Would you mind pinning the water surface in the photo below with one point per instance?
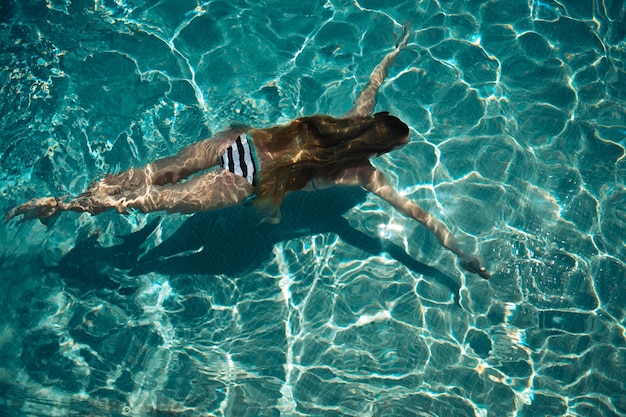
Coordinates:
(518, 129)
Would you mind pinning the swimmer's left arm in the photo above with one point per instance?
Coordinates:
(366, 101)
(373, 180)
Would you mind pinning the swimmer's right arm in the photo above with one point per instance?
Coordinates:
(374, 180)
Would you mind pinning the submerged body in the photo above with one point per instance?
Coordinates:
(262, 166)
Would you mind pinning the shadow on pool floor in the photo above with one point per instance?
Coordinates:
(232, 241)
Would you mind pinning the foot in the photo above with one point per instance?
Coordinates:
(38, 208)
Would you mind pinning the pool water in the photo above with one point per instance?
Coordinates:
(517, 110)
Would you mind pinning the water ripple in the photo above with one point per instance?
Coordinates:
(517, 117)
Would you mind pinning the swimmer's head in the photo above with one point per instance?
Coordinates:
(394, 132)
(322, 145)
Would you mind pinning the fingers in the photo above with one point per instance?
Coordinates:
(483, 273)
(406, 31)
(473, 264)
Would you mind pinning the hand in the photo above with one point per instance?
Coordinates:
(473, 264)
(35, 209)
(406, 31)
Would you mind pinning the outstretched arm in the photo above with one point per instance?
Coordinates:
(373, 180)
(364, 105)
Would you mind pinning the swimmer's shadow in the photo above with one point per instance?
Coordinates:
(233, 241)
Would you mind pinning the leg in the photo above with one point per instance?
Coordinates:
(103, 194)
(197, 157)
(212, 190)
(364, 105)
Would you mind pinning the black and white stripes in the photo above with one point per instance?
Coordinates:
(240, 160)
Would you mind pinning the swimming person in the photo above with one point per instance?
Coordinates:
(262, 166)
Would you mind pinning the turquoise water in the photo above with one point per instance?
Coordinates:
(517, 112)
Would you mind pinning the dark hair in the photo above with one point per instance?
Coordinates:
(310, 146)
